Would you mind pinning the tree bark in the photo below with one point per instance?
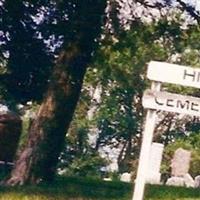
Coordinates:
(38, 160)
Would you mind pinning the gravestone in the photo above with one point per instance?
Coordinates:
(197, 182)
(180, 163)
(188, 180)
(175, 181)
(126, 177)
(153, 175)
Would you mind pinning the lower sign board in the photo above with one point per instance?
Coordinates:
(169, 102)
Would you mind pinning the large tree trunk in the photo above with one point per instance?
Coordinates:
(46, 136)
(38, 160)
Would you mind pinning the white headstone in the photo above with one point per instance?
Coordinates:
(153, 175)
(125, 177)
(188, 180)
(197, 182)
(181, 162)
(175, 181)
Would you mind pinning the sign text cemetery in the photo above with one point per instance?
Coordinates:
(154, 99)
(171, 102)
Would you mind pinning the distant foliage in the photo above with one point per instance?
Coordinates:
(86, 165)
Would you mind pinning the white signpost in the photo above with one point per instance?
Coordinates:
(154, 100)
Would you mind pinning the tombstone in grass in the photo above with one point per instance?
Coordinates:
(125, 177)
(153, 175)
(197, 182)
(175, 181)
(188, 180)
(180, 163)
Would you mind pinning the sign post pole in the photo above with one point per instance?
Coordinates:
(145, 149)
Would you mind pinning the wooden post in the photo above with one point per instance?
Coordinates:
(145, 149)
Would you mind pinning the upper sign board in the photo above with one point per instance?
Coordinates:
(171, 102)
(176, 74)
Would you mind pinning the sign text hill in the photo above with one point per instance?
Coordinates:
(176, 74)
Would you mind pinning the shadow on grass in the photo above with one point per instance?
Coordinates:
(73, 187)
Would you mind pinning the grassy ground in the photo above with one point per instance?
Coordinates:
(171, 193)
(86, 189)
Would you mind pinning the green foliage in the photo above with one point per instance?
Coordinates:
(28, 113)
(190, 143)
(195, 164)
(86, 166)
(114, 176)
(122, 78)
(194, 140)
(120, 69)
(79, 158)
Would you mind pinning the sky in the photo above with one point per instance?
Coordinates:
(130, 8)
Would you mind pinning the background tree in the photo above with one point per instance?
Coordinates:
(27, 60)
(79, 157)
(79, 25)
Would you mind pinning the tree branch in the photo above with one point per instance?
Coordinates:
(190, 9)
(151, 5)
(184, 6)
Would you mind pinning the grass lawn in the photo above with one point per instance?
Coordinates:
(154, 192)
(87, 189)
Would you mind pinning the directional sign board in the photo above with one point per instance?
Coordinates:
(171, 102)
(176, 74)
